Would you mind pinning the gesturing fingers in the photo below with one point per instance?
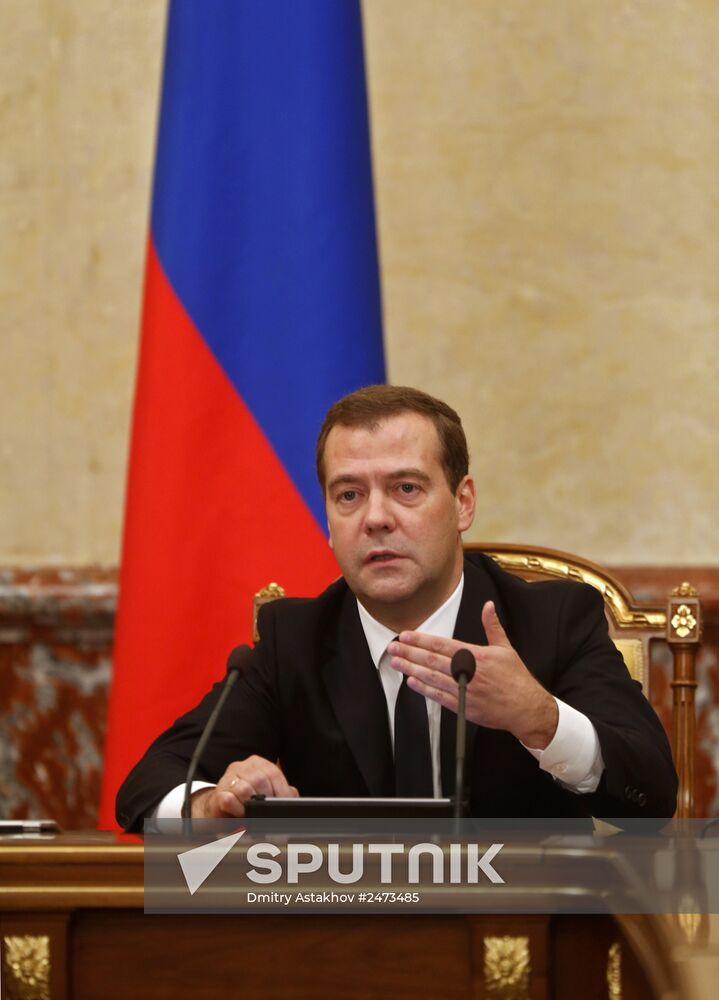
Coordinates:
(496, 636)
(445, 696)
(426, 651)
(427, 664)
(429, 649)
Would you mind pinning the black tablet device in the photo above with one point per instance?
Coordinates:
(263, 807)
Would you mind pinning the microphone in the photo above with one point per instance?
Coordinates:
(237, 663)
(463, 666)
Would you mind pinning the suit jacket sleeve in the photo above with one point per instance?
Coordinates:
(250, 723)
(639, 779)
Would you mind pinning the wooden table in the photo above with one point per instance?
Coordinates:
(72, 926)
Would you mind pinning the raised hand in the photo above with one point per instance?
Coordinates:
(503, 694)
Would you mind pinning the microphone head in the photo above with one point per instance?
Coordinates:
(239, 659)
(463, 664)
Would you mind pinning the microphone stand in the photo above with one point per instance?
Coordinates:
(237, 663)
(463, 666)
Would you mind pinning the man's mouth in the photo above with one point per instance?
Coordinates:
(384, 556)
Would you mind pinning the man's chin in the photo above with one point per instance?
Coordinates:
(390, 589)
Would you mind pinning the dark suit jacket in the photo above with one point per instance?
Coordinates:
(313, 700)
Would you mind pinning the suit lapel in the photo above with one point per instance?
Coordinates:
(357, 697)
(478, 588)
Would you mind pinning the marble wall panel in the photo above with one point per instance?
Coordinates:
(547, 208)
(55, 665)
(78, 103)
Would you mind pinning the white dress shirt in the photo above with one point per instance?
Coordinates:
(573, 757)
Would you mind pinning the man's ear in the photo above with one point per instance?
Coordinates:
(466, 500)
(329, 533)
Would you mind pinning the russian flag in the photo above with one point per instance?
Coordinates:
(261, 308)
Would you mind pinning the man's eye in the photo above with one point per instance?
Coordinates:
(408, 488)
(348, 495)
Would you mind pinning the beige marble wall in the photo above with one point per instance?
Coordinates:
(546, 178)
(547, 198)
(78, 100)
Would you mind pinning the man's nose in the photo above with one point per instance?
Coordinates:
(378, 513)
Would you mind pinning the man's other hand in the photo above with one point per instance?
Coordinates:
(241, 780)
(503, 694)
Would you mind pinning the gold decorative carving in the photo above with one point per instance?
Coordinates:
(269, 593)
(689, 924)
(614, 972)
(506, 967)
(683, 621)
(693, 925)
(685, 589)
(27, 967)
(623, 615)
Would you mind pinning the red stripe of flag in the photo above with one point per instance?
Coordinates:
(210, 519)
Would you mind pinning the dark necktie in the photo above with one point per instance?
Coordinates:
(412, 754)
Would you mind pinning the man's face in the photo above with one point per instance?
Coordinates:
(394, 523)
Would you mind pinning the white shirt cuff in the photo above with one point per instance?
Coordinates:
(573, 757)
(170, 807)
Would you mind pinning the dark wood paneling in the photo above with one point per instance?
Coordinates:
(270, 957)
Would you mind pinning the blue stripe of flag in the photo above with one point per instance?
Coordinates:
(263, 212)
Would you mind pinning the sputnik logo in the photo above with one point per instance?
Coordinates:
(200, 862)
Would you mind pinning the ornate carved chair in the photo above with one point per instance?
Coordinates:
(632, 626)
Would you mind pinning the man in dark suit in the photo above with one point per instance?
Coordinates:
(558, 728)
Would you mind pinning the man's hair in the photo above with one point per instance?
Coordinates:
(369, 406)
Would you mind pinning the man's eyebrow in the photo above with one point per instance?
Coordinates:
(338, 480)
(408, 473)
